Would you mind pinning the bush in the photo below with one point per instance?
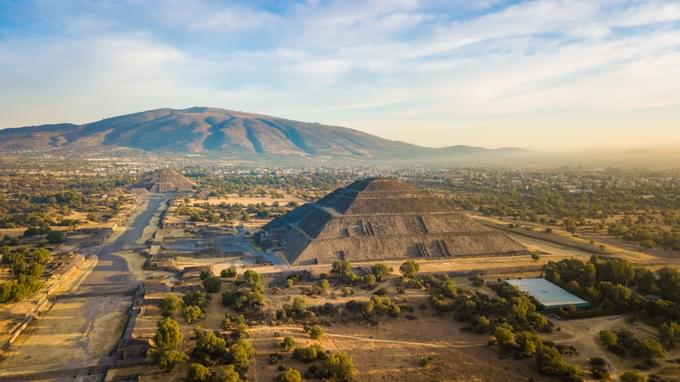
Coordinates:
(55, 237)
(338, 366)
(409, 269)
(289, 375)
(315, 332)
(192, 313)
(170, 305)
(381, 271)
(212, 284)
(226, 374)
(229, 272)
(287, 344)
(633, 376)
(198, 373)
(309, 354)
(168, 359)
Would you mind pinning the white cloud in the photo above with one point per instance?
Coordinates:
(390, 67)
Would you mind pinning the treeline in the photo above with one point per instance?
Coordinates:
(43, 200)
(27, 268)
(576, 200)
(616, 286)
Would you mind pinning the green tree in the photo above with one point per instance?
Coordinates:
(168, 336)
(315, 332)
(289, 375)
(168, 359)
(633, 376)
(212, 284)
(339, 366)
(287, 344)
(409, 268)
(229, 272)
(226, 374)
(198, 373)
(192, 313)
(380, 271)
(504, 335)
(343, 270)
(55, 237)
(170, 305)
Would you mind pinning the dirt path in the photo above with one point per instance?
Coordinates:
(81, 331)
(449, 345)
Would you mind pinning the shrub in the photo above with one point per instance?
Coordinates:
(198, 373)
(287, 344)
(289, 375)
(338, 366)
(171, 304)
(633, 376)
(308, 354)
(316, 332)
(226, 374)
(55, 237)
(229, 272)
(409, 268)
(192, 313)
(212, 284)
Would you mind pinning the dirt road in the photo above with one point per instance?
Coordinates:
(81, 331)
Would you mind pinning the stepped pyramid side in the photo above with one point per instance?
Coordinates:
(377, 218)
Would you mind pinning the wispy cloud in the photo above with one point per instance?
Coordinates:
(535, 73)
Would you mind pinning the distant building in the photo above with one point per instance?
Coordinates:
(549, 295)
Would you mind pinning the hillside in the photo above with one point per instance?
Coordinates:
(201, 130)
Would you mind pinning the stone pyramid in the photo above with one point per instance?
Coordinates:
(380, 219)
(165, 180)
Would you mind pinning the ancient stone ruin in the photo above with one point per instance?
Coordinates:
(164, 180)
(379, 219)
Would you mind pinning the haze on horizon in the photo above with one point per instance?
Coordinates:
(552, 75)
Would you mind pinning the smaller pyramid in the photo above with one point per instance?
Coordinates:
(165, 180)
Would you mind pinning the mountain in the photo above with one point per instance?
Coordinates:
(211, 131)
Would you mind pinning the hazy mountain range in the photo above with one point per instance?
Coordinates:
(211, 131)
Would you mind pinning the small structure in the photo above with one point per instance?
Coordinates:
(549, 295)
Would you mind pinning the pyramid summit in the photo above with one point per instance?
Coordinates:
(381, 218)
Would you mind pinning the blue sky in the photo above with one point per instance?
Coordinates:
(539, 74)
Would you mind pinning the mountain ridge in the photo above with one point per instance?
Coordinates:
(205, 130)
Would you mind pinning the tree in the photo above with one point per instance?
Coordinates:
(633, 376)
(168, 359)
(192, 313)
(55, 237)
(324, 284)
(380, 271)
(168, 335)
(229, 272)
(409, 268)
(289, 375)
(650, 350)
(505, 336)
(343, 270)
(240, 354)
(287, 344)
(315, 332)
(226, 374)
(339, 366)
(41, 255)
(209, 347)
(212, 284)
(198, 373)
(170, 305)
